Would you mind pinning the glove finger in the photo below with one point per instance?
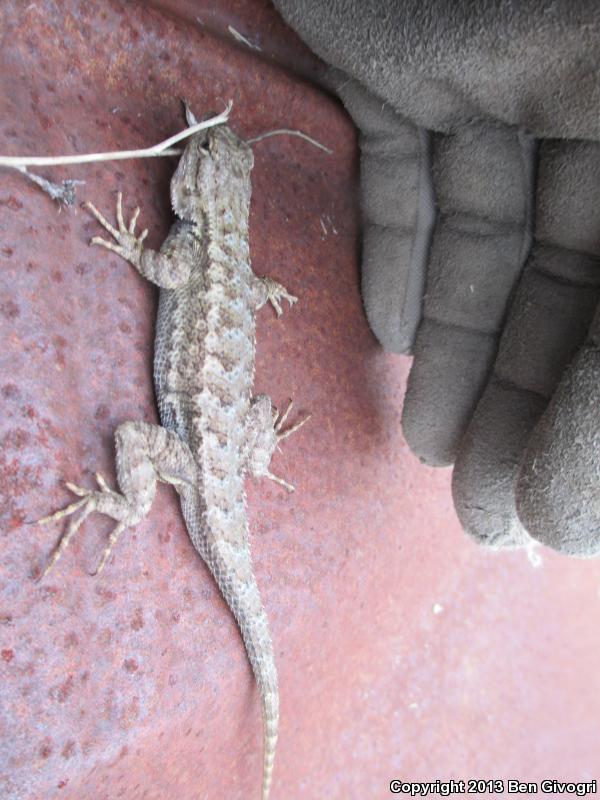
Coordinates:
(558, 490)
(548, 320)
(483, 187)
(398, 213)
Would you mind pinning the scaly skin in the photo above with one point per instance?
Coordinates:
(213, 430)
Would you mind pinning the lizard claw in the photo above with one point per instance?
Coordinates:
(88, 504)
(276, 479)
(277, 292)
(279, 421)
(89, 501)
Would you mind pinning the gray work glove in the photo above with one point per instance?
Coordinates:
(480, 183)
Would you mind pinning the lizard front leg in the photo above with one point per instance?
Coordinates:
(168, 267)
(145, 454)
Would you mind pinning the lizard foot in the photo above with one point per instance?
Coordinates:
(275, 293)
(90, 501)
(278, 422)
(129, 246)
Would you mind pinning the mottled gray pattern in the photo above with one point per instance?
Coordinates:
(214, 431)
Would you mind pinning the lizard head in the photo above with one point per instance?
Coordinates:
(213, 157)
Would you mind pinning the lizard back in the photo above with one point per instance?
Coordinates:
(204, 376)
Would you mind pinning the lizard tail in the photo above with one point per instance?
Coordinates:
(270, 703)
(235, 578)
(243, 598)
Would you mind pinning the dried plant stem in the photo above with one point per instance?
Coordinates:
(158, 150)
(289, 132)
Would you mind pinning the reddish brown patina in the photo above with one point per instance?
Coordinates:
(403, 650)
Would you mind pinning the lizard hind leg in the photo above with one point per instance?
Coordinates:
(145, 454)
(264, 431)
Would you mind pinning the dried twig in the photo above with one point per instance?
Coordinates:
(160, 149)
(289, 132)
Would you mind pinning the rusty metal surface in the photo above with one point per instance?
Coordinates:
(403, 650)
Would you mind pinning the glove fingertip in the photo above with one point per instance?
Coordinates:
(558, 487)
(485, 469)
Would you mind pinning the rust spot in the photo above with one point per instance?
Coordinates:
(7, 655)
(15, 439)
(137, 621)
(106, 595)
(9, 309)
(130, 713)
(69, 749)
(102, 412)
(10, 391)
(7, 251)
(49, 592)
(12, 203)
(130, 665)
(46, 749)
(105, 637)
(16, 479)
(61, 693)
(87, 747)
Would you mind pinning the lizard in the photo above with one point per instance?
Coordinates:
(214, 431)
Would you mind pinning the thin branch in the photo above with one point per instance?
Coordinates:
(289, 132)
(160, 149)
